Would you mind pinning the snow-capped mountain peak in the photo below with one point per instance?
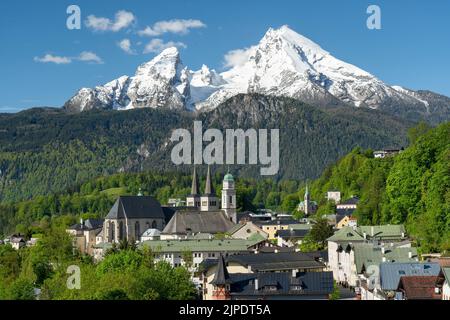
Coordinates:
(283, 63)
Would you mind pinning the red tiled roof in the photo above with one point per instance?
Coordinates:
(444, 262)
(419, 287)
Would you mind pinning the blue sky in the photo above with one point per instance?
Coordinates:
(412, 49)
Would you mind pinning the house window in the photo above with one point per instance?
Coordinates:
(231, 199)
(121, 230)
(137, 230)
(113, 231)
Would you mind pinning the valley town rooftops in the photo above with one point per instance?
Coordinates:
(281, 284)
(265, 262)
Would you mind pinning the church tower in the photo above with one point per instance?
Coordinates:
(306, 201)
(229, 197)
(193, 200)
(221, 282)
(209, 200)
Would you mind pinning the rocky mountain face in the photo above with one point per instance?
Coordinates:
(283, 63)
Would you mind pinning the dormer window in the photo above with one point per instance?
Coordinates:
(270, 288)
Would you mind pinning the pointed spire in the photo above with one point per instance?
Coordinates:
(221, 277)
(194, 187)
(209, 189)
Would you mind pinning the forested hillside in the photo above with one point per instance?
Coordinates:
(412, 187)
(43, 151)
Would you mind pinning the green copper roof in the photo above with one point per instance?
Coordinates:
(201, 245)
(366, 254)
(346, 234)
(446, 272)
(228, 177)
(383, 232)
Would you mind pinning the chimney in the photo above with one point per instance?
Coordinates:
(364, 235)
(82, 221)
(294, 273)
(383, 250)
(372, 230)
(403, 234)
(276, 250)
(249, 269)
(384, 259)
(410, 254)
(256, 284)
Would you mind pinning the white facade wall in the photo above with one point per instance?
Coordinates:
(446, 291)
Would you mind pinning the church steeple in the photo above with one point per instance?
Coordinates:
(306, 201)
(209, 188)
(193, 200)
(306, 192)
(221, 281)
(194, 187)
(209, 201)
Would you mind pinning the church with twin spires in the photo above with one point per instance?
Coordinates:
(204, 212)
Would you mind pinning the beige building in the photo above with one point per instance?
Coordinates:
(85, 234)
(246, 230)
(347, 221)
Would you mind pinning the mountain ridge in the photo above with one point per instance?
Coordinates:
(284, 63)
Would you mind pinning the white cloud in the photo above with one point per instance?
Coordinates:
(49, 58)
(158, 45)
(122, 20)
(88, 56)
(85, 56)
(125, 45)
(237, 57)
(178, 26)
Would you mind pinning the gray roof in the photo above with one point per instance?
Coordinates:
(221, 277)
(282, 221)
(352, 200)
(169, 212)
(311, 284)
(151, 233)
(265, 262)
(193, 221)
(136, 207)
(390, 273)
(341, 213)
(89, 224)
(292, 233)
